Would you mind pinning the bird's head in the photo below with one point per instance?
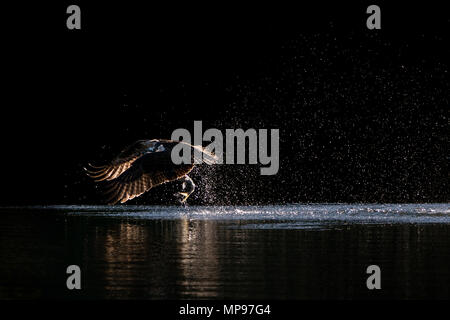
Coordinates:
(155, 146)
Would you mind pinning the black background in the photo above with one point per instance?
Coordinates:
(362, 113)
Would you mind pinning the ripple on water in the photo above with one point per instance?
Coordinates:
(292, 216)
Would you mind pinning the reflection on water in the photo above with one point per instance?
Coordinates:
(288, 252)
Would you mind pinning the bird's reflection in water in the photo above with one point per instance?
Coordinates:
(198, 260)
(133, 260)
(124, 256)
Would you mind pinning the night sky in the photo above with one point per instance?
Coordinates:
(363, 114)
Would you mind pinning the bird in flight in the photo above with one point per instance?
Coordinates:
(146, 164)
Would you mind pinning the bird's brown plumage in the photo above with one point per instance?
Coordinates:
(136, 169)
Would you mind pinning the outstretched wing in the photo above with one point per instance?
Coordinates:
(137, 169)
(120, 164)
(150, 170)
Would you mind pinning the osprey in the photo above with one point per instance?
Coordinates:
(144, 165)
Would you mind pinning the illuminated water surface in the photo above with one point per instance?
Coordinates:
(296, 251)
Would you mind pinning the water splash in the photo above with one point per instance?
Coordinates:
(281, 216)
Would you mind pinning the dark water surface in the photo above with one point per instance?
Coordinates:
(279, 252)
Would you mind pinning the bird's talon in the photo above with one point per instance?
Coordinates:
(182, 196)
